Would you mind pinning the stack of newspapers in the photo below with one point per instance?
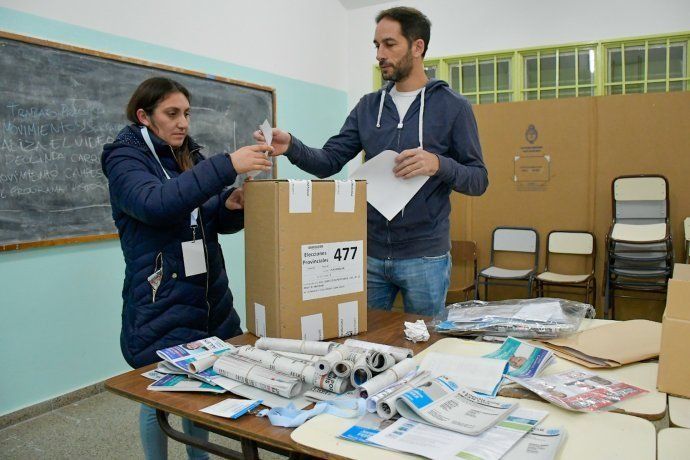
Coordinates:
(278, 371)
(432, 416)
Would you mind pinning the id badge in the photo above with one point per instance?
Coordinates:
(194, 257)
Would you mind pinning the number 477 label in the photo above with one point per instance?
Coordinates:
(330, 269)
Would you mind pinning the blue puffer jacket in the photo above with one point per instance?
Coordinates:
(152, 215)
(449, 131)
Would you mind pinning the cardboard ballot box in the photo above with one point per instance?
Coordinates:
(674, 365)
(305, 258)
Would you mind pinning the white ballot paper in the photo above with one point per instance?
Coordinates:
(231, 408)
(482, 375)
(267, 131)
(538, 444)
(385, 192)
(436, 443)
(442, 403)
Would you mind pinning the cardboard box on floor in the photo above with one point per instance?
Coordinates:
(674, 365)
(306, 271)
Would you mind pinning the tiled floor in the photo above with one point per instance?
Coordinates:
(104, 426)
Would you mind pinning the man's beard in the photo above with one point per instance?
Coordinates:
(402, 70)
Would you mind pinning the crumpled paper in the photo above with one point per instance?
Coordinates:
(417, 331)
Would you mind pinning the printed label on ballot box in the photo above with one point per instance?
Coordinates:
(330, 269)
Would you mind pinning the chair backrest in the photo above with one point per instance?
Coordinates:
(687, 239)
(571, 242)
(515, 239)
(640, 197)
(465, 251)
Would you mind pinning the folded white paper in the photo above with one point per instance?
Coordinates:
(385, 192)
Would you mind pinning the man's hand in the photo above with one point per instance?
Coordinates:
(235, 201)
(416, 162)
(280, 143)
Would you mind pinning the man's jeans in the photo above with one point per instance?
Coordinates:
(423, 282)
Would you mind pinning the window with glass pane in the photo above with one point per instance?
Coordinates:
(558, 74)
(482, 80)
(647, 67)
(430, 71)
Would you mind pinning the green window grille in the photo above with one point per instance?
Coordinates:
(623, 66)
(558, 73)
(482, 80)
(647, 67)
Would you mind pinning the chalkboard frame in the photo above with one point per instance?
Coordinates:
(137, 62)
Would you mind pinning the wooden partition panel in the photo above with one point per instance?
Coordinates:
(551, 164)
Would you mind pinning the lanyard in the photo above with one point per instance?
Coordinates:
(291, 417)
(145, 133)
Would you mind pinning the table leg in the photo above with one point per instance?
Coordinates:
(210, 447)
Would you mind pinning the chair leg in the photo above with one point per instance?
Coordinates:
(529, 288)
(486, 290)
(594, 293)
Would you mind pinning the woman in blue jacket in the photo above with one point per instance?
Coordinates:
(169, 205)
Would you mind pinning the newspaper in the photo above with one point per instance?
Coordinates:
(319, 394)
(481, 375)
(183, 383)
(579, 390)
(384, 392)
(195, 356)
(387, 377)
(297, 368)
(249, 373)
(538, 444)
(440, 402)
(367, 426)
(310, 347)
(524, 360)
(386, 405)
(195, 360)
(436, 443)
(398, 353)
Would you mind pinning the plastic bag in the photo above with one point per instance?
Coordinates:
(541, 318)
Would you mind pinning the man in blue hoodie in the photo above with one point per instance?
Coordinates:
(435, 132)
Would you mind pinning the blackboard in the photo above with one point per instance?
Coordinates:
(59, 105)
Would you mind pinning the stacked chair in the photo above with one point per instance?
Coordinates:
(464, 257)
(639, 245)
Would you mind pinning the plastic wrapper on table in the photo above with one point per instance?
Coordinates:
(541, 318)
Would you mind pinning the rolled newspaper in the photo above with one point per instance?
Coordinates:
(379, 361)
(202, 364)
(360, 372)
(385, 407)
(250, 373)
(326, 363)
(309, 347)
(343, 368)
(387, 378)
(398, 353)
(372, 400)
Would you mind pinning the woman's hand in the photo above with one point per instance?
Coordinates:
(235, 201)
(251, 158)
(281, 140)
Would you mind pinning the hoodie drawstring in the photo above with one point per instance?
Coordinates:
(421, 119)
(378, 119)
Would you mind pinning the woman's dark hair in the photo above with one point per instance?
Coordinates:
(413, 24)
(150, 93)
(147, 96)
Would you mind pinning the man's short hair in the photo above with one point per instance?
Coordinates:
(413, 24)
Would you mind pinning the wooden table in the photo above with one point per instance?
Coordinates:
(252, 432)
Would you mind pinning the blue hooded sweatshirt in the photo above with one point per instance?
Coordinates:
(449, 130)
(152, 216)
